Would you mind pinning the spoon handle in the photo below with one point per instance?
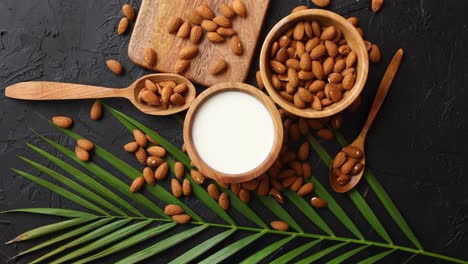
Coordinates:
(38, 90)
(382, 91)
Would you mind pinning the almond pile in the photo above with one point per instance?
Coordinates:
(163, 94)
(347, 163)
(82, 149)
(201, 21)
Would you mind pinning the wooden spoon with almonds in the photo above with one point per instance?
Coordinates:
(356, 149)
(39, 90)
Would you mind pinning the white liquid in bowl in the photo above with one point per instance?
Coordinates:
(233, 132)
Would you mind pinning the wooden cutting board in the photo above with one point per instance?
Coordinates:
(150, 31)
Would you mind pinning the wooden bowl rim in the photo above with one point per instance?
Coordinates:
(226, 177)
(349, 32)
(152, 110)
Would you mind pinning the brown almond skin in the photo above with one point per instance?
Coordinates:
(296, 184)
(354, 21)
(181, 218)
(214, 37)
(298, 102)
(343, 179)
(306, 170)
(347, 166)
(149, 97)
(149, 176)
(174, 24)
(277, 195)
(374, 54)
(209, 25)
(321, 3)
(317, 70)
(197, 177)
(376, 5)
(226, 32)
(81, 154)
(156, 151)
(196, 34)
(303, 152)
(351, 59)
(177, 99)
(329, 33)
(85, 144)
(180, 88)
(286, 183)
(305, 189)
(277, 67)
(173, 209)
(161, 172)
(151, 86)
(96, 111)
(250, 185)
(325, 134)
(264, 186)
(205, 11)
(186, 187)
(141, 155)
(153, 161)
(140, 137)
(258, 77)
(131, 147)
(213, 191)
(123, 26)
(235, 188)
(298, 32)
(149, 57)
(218, 67)
(181, 66)
(318, 52)
(244, 195)
(223, 201)
(358, 167)
(339, 160)
(353, 152)
(348, 81)
(188, 52)
(332, 48)
(279, 225)
(223, 21)
(114, 66)
(318, 202)
(239, 8)
(226, 10)
(236, 46)
(128, 11)
(62, 121)
(176, 188)
(137, 184)
(184, 30)
(179, 170)
(194, 17)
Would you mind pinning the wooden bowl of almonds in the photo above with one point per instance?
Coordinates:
(314, 63)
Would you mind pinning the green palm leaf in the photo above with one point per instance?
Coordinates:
(320, 254)
(193, 253)
(162, 245)
(295, 252)
(54, 212)
(276, 209)
(377, 257)
(104, 241)
(260, 255)
(128, 242)
(347, 255)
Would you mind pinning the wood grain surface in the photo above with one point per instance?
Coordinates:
(150, 31)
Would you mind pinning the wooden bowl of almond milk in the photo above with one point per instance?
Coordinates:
(233, 132)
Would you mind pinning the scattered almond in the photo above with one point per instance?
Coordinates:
(85, 144)
(174, 24)
(197, 177)
(156, 151)
(258, 76)
(128, 11)
(374, 54)
(149, 176)
(96, 111)
(162, 171)
(213, 191)
(81, 154)
(181, 218)
(114, 66)
(226, 10)
(236, 46)
(217, 67)
(123, 26)
(131, 147)
(239, 8)
(188, 52)
(149, 57)
(194, 17)
(176, 188)
(225, 32)
(173, 209)
(140, 155)
(184, 30)
(305, 189)
(209, 25)
(377, 5)
(62, 121)
(196, 34)
(140, 137)
(318, 202)
(137, 184)
(179, 170)
(223, 201)
(223, 21)
(299, 8)
(205, 11)
(214, 37)
(181, 66)
(186, 187)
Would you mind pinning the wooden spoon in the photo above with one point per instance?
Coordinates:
(39, 90)
(359, 142)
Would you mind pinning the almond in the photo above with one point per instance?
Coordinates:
(123, 26)
(250, 185)
(321, 3)
(351, 59)
(188, 52)
(176, 188)
(213, 191)
(344, 50)
(171, 84)
(179, 170)
(226, 10)
(181, 218)
(223, 21)
(332, 48)
(300, 48)
(140, 137)
(318, 52)
(348, 81)
(317, 70)
(194, 17)
(156, 151)
(316, 28)
(325, 134)
(374, 54)
(293, 78)
(277, 195)
(150, 139)
(298, 32)
(128, 11)
(318, 202)
(305, 62)
(280, 225)
(173, 209)
(264, 186)
(81, 154)
(149, 97)
(347, 71)
(223, 201)
(149, 176)
(354, 21)
(343, 179)
(114, 66)
(298, 101)
(239, 8)
(96, 111)
(277, 67)
(377, 5)
(180, 88)
(174, 24)
(306, 170)
(186, 187)
(335, 78)
(260, 83)
(166, 93)
(141, 155)
(151, 86)
(339, 160)
(184, 30)
(316, 105)
(305, 75)
(308, 29)
(196, 34)
(236, 46)
(62, 121)
(137, 184)
(226, 32)
(311, 44)
(197, 177)
(162, 171)
(209, 25)
(339, 66)
(149, 57)
(131, 147)
(303, 152)
(299, 8)
(85, 144)
(368, 45)
(305, 189)
(154, 161)
(296, 184)
(181, 66)
(329, 33)
(214, 37)
(244, 195)
(177, 99)
(217, 66)
(205, 11)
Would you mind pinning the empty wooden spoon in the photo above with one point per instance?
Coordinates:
(358, 144)
(38, 90)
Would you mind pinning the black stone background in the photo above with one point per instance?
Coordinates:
(416, 148)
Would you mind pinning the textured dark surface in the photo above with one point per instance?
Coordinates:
(416, 148)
